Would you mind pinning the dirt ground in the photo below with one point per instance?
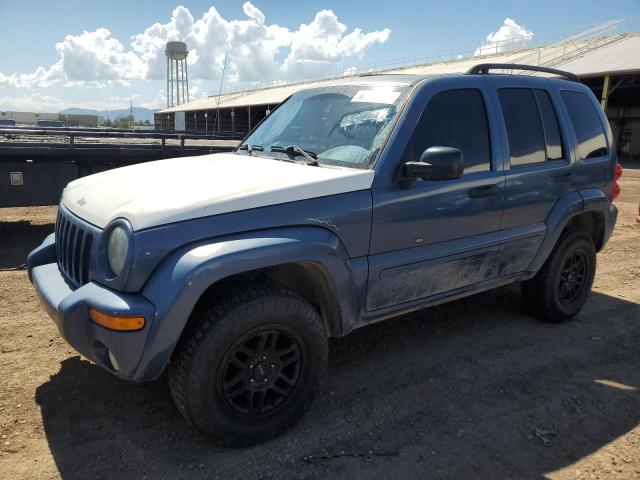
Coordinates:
(474, 389)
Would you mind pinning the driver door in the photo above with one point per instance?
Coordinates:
(435, 238)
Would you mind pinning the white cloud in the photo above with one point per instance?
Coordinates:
(37, 102)
(32, 102)
(322, 44)
(510, 36)
(257, 51)
(91, 58)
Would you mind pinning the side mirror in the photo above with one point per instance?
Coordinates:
(437, 163)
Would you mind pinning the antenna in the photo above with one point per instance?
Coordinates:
(224, 67)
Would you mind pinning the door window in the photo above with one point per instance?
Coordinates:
(524, 128)
(455, 118)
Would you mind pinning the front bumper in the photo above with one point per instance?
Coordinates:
(69, 309)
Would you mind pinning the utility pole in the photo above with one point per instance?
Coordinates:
(131, 112)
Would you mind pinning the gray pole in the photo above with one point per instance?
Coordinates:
(177, 85)
(182, 79)
(167, 92)
(186, 69)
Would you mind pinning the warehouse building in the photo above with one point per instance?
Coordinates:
(47, 119)
(609, 65)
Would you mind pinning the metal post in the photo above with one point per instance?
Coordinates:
(233, 121)
(168, 93)
(195, 121)
(186, 69)
(182, 79)
(177, 85)
(249, 108)
(605, 93)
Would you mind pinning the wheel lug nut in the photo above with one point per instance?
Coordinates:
(264, 358)
(273, 365)
(251, 380)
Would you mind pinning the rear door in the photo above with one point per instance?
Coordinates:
(435, 237)
(538, 166)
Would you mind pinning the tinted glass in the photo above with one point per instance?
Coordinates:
(455, 118)
(344, 125)
(550, 125)
(586, 123)
(524, 129)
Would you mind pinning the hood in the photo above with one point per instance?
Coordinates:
(166, 191)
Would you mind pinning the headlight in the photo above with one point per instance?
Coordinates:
(117, 249)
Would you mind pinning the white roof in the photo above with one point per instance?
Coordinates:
(586, 58)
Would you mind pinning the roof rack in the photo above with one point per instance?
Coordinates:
(483, 69)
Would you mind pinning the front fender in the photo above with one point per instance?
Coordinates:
(181, 279)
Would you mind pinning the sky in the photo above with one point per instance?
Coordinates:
(102, 55)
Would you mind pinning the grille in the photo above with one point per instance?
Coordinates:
(73, 248)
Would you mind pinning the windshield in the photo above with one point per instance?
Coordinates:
(342, 125)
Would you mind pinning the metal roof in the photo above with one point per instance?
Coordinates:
(614, 54)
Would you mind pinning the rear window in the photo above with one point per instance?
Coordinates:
(586, 123)
(524, 128)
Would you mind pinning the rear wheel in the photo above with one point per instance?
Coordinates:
(561, 288)
(250, 364)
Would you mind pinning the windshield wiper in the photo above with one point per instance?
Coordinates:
(311, 157)
(250, 148)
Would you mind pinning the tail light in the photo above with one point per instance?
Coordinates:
(615, 190)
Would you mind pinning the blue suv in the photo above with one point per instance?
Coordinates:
(351, 203)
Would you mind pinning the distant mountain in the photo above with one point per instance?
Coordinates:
(140, 113)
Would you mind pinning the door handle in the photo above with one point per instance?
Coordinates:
(564, 177)
(484, 191)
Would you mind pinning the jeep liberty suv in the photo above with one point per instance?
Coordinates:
(363, 199)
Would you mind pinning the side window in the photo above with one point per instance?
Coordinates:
(586, 123)
(550, 125)
(524, 129)
(455, 118)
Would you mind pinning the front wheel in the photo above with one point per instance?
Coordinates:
(561, 288)
(250, 364)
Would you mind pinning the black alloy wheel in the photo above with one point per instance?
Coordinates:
(261, 370)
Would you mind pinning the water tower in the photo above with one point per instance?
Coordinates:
(177, 76)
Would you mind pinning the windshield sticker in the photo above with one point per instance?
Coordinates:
(377, 95)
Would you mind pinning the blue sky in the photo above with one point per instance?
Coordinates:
(106, 66)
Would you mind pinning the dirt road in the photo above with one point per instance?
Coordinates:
(474, 389)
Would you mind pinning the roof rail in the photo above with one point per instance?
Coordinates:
(483, 68)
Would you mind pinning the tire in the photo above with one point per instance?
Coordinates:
(561, 288)
(249, 365)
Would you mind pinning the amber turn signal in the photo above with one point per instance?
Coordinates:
(117, 322)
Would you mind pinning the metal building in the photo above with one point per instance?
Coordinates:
(609, 65)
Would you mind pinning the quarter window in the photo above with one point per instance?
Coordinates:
(455, 118)
(524, 129)
(550, 125)
(586, 123)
